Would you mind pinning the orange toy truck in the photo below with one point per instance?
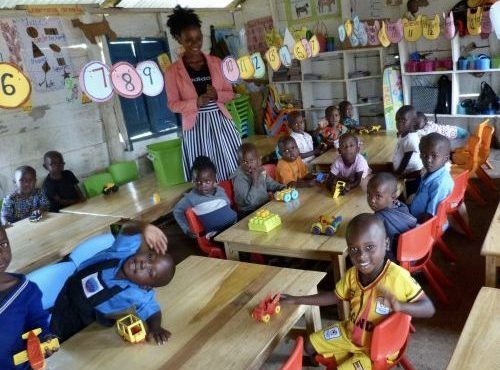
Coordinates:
(35, 351)
(267, 307)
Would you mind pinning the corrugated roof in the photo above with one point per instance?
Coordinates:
(6, 4)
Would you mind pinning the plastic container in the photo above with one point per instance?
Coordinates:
(446, 64)
(483, 62)
(411, 66)
(167, 161)
(462, 64)
(330, 44)
(426, 65)
(495, 62)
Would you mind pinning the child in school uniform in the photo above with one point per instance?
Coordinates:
(209, 201)
(374, 287)
(20, 310)
(116, 282)
(303, 140)
(350, 166)
(25, 199)
(382, 193)
(330, 128)
(346, 113)
(291, 170)
(437, 183)
(251, 183)
(60, 185)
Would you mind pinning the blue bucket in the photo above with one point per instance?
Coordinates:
(483, 62)
(462, 64)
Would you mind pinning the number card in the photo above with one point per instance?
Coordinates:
(246, 67)
(273, 58)
(126, 80)
(258, 65)
(299, 51)
(15, 88)
(230, 69)
(285, 56)
(307, 46)
(95, 81)
(152, 78)
(314, 45)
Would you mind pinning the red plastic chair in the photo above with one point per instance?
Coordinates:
(456, 199)
(270, 170)
(295, 360)
(484, 153)
(415, 252)
(228, 188)
(389, 336)
(441, 221)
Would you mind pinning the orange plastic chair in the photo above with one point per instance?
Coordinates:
(484, 153)
(460, 155)
(270, 170)
(389, 336)
(456, 199)
(415, 252)
(441, 221)
(295, 360)
(228, 188)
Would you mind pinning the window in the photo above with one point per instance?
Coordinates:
(145, 116)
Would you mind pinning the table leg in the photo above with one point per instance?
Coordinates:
(231, 254)
(339, 269)
(313, 316)
(491, 271)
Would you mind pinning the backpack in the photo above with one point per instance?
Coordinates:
(443, 105)
(487, 98)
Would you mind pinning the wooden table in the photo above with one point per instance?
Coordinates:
(379, 148)
(479, 343)
(133, 200)
(36, 244)
(207, 308)
(266, 145)
(491, 249)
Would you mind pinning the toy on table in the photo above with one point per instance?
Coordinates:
(155, 198)
(321, 177)
(266, 308)
(35, 350)
(131, 329)
(339, 188)
(264, 221)
(286, 195)
(109, 188)
(35, 216)
(369, 130)
(327, 225)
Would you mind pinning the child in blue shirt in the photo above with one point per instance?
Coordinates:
(118, 281)
(437, 182)
(25, 199)
(20, 310)
(208, 201)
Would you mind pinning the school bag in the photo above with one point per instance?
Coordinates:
(487, 98)
(443, 105)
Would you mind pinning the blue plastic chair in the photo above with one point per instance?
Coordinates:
(90, 247)
(51, 279)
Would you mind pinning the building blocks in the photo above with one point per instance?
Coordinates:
(266, 308)
(339, 188)
(264, 221)
(327, 225)
(35, 351)
(286, 195)
(109, 188)
(131, 329)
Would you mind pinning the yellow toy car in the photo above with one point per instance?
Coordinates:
(327, 225)
(131, 329)
(286, 195)
(109, 188)
(339, 188)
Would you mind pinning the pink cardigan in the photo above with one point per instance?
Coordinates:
(182, 95)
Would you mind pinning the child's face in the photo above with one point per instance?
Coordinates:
(334, 117)
(420, 123)
(367, 246)
(380, 196)
(5, 253)
(348, 150)
(204, 181)
(55, 165)
(348, 112)
(289, 151)
(434, 156)
(149, 269)
(298, 125)
(25, 182)
(250, 161)
(404, 123)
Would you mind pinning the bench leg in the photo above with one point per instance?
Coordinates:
(491, 271)
(231, 254)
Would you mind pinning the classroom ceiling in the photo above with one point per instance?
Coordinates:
(136, 4)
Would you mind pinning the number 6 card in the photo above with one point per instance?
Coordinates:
(126, 81)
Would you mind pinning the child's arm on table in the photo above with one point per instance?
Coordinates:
(155, 331)
(153, 236)
(422, 308)
(320, 299)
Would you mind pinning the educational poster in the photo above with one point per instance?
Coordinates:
(44, 51)
(326, 8)
(10, 46)
(256, 31)
(308, 11)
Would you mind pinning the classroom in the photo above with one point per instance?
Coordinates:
(249, 184)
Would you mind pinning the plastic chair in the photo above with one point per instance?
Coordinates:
(461, 155)
(124, 172)
(439, 229)
(484, 153)
(456, 199)
(295, 360)
(90, 247)
(51, 279)
(270, 170)
(415, 252)
(275, 116)
(94, 184)
(228, 188)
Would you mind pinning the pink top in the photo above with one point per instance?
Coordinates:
(182, 95)
(360, 165)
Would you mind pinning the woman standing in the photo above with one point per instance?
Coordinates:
(197, 89)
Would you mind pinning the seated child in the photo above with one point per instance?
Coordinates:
(251, 183)
(346, 114)
(425, 127)
(291, 170)
(303, 139)
(209, 201)
(25, 199)
(350, 166)
(60, 185)
(437, 183)
(374, 288)
(382, 193)
(116, 282)
(20, 309)
(330, 129)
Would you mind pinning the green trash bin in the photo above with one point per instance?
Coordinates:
(167, 161)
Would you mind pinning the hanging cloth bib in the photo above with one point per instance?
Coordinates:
(273, 58)
(342, 33)
(412, 29)
(348, 27)
(486, 26)
(474, 21)
(359, 31)
(430, 27)
(449, 26)
(354, 40)
(372, 32)
(382, 36)
(395, 31)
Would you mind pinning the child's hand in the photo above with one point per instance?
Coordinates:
(159, 335)
(287, 299)
(155, 239)
(211, 92)
(390, 301)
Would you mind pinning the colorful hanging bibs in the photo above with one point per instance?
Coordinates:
(474, 21)
(449, 26)
(395, 31)
(372, 32)
(412, 29)
(348, 27)
(382, 36)
(430, 27)
(359, 31)
(342, 33)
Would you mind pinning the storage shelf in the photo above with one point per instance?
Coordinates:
(364, 78)
(367, 104)
(464, 115)
(448, 72)
(491, 70)
(287, 82)
(326, 80)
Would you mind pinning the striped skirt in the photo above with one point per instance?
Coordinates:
(214, 136)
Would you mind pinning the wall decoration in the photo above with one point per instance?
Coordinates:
(327, 8)
(152, 78)
(91, 30)
(126, 80)
(10, 47)
(256, 31)
(15, 87)
(95, 82)
(412, 29)
(307, 11)
(273, 58)
(54, 10)
(430, 27)
(230, 69)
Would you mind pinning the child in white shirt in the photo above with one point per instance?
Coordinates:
(303, 139)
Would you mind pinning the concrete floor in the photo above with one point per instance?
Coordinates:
(433, 342)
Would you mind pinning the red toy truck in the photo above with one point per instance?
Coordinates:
(266, 308)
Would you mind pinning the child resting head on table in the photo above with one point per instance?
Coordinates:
(350, 166)
(291, 170)
(20, 310)
(116, 282)
(25, 199)
(374, 287)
